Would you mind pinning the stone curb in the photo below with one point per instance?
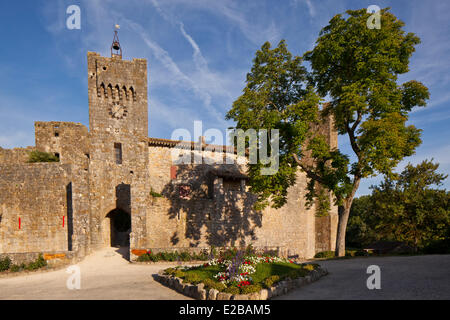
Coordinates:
(200, 293)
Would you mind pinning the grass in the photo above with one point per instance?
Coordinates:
(266, 275)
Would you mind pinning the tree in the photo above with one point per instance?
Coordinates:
(357, 69)
(277, 96)
(409, 209)
(361, 223)
(39, 156)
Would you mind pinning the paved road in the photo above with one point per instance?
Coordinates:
(411, 277)
(104, 275)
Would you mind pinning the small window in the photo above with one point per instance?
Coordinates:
(118, 152)
(57, 155)
(56, 134)
(88, 155)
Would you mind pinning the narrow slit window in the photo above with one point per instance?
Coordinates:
(118, 152)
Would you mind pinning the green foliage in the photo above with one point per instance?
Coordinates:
(15, 268)
(169, 271)
(410, 210)
(192, 278)
(179, 273)
(362, 222)
(39, 156)
(358, 69)
(5, 264)
(438, 246)
(404, 208)
(211, 284)
(232, 290)
(172, 256)
(309, 267)
(276, 97)
(155, 194)
(37, 264)
(250, 289)
(325, 254)
(270, 281)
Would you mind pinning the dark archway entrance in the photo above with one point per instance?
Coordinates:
(120, 228)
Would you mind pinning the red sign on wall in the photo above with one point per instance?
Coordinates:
(173, 172)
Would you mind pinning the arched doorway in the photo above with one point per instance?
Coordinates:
(119, 227)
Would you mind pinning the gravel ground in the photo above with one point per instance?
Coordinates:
(105, 275)
(406, 278)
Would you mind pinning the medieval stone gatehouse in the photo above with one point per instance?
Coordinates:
(115, 186)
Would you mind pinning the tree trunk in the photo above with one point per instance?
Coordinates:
(344, 213)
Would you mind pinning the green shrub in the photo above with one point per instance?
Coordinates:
(5, 264)
(232, 290)
(351, 253)
(211, 284)
(170, 271)
(361, 253)
(270, 281)
(294, 274)
(37, 264)
(179, 274)
(251, 289)
(192, 278)
(325, 254)
(155, 194)
(185, 256)
(438, 247)
(38, 156)
(308, 267)
(15, 268)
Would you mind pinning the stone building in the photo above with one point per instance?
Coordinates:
(115, 186)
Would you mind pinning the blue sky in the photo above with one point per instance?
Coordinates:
(199, 52)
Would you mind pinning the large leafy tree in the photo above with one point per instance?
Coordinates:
(276, 97)
(409, 209)
(356, 68)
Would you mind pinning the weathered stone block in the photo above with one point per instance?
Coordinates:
(212, 294)
(224, 296)
(264, 294)
(240, 297)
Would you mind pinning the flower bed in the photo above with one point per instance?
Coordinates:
(242, 276)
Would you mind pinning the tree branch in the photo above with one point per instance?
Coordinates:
(309, 172)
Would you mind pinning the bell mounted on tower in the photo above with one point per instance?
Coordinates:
(116, 49)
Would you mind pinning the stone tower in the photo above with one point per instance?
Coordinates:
(118, 129)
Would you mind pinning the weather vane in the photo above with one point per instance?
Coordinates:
(116, 49)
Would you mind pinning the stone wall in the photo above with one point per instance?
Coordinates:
(35, 194)
(67, 139)
(15, 156)
(50, 201)
(228, 219)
